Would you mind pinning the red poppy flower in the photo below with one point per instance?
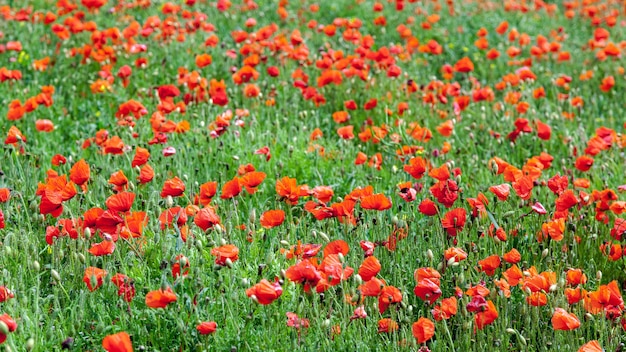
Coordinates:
(423, 330)
(562, 320)
(174, 187)
(160, 298)
(93, 277)
(265, 291)
(222, 253)
(119, 342)
(207, 327)
(454, 221)
(272, 218)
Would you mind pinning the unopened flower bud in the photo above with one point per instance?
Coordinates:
(284, 243)
(4, 329)
(229, 263)
(36, 265)
(324, 236)
(30, 344)
(429, 254)
(169, 201)
(55, 275)
(599, 275)
(545, 253)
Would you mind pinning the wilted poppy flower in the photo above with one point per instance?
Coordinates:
(119, 342)
(160, 298)
(296, 322)
(207, 327)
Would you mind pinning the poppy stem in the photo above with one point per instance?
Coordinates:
(445, 326)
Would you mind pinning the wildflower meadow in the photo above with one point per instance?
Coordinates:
(300, 175)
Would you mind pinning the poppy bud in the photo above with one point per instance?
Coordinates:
(553, 288)
(545, 253)
(440, 267)
(395, 220)
(8, 251)
(253, 297)
(561, 282)
(511, 331)
(81, 258)
(30, 344)
(451, 261)
(223, 241)
(599, 275)
(342, 259)
(522, 339)
(169, 201)
(394, 169)
(229, 263)
(429, 254)
(358, 279)
(324, 236)
(36, 265)
(252, 217)
(314, 233)
(131, 186)
(198, 244)
(245, 282)
(4, 329)
(284, 243)
(588, 316)
(87, 233)
(326, 323)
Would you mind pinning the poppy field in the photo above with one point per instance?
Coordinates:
(231, 175)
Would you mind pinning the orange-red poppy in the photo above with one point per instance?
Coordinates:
(562, 320)
(119, 342)
(423, 330)
(265, 292)
(160, 298)
(224, 253)
(272, 218)
(93, 277)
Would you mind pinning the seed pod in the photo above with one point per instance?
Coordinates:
(55, 275)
